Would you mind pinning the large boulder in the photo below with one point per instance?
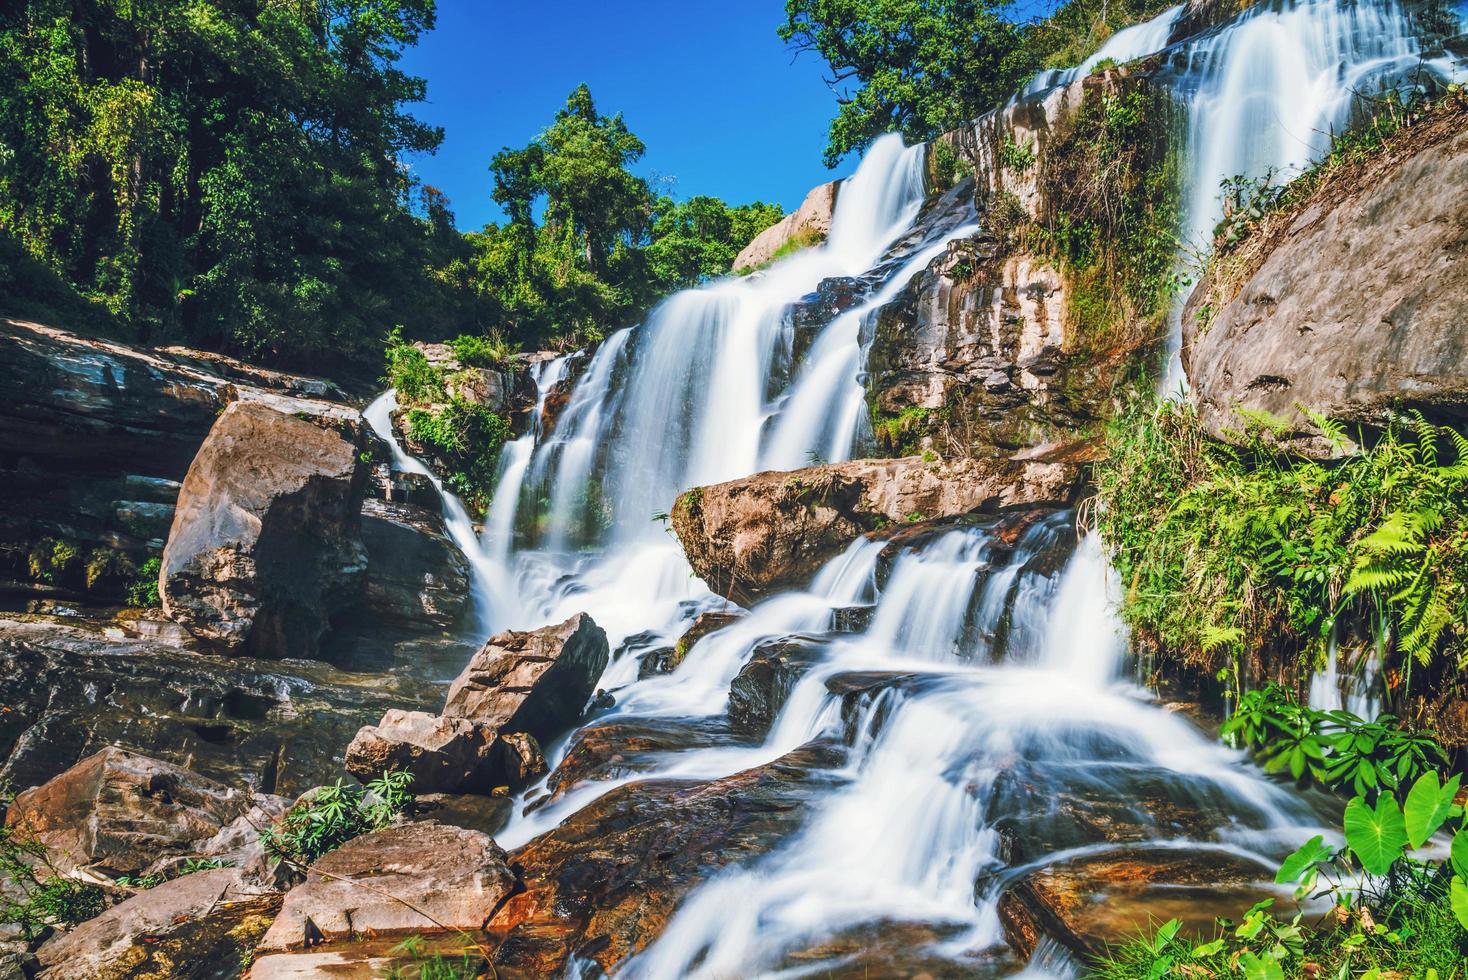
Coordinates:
(1350, 304)
(812, 220)
(751, 537)
(445, 755)
(199, 926)
(415, 879)
(537, 682)
(266, 545)
(416, 577)
(120, 812)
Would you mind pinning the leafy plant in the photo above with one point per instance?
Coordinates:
(333, 815)
(425, 964)
(489, 350)
(1019, 157)
(417, 381)
(142, 591)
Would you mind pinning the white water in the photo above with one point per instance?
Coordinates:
(1013, 671)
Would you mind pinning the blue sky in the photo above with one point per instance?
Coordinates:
(706, 84)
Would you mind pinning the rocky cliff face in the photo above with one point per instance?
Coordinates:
(811, 220)
(1351, 304)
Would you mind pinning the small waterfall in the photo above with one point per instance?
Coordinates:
(916, 828)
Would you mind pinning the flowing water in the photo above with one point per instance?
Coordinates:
(984, 699)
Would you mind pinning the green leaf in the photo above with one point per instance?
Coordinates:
(1314, 851)
(1459, 856)
(1208, 949)
(1458, 895)
(1260, 968)
(1428, 805)
(1377, 836)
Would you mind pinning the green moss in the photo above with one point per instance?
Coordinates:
(1110, 214)
(800, 241)
(900, 434)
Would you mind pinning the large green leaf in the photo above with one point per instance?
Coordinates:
(1377, 836)
(1459, 857)
(1458, 895)
(1314, 851)
(1427, 806)
(1260, 967)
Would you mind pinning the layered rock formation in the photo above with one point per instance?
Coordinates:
(749, 538)
(1351, 304)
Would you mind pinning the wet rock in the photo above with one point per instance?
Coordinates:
(200, 926)
(752, 537)
(519, 760)
(665, 660)
(277, 727)
(1324, 317)
(812, 313)
(764, 684)
(852, 619)
(416, 577)
(414, 879)
(624, 746)
(265, 546)
(445, 755)
(1093, 901)
(603, 884)
(536, 682)
(813, 217)
(470, 811)
(119, 812)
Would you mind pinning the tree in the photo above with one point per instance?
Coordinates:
(220, 171)
(917, 67)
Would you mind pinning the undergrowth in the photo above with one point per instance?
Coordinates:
(332, 815)
(465, 437)
(1110, 186)
(1225, 548)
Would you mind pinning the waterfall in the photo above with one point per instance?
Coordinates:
(995, 659)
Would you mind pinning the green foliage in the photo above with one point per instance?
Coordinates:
(698, 239)
(921, 67)
(409, 372)
(1110, 216)
(945, 166)
(898, 434)
(1226, 547)
(34, 894)
(332, 815)
(219, 171)
(53, 561)
(1334, 748)
(913, 66)
(489, 350)
(142, 592)
(1019, 157)
(468, 438)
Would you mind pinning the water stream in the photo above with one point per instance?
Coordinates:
(991, 664)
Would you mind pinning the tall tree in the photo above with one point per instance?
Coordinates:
(917, 67)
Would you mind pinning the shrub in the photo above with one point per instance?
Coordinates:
(1019, 157)
(1227, 548)
(142, 592)
(53, 561)
(490, 350)
(945, 165)
(332, 815)
(468, 439)
(408, 371)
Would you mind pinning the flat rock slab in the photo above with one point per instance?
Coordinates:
(199, 926)
(1090, 902)
(419, 878)
(603, 884)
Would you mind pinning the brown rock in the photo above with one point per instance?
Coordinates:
(265, 545)
(536, 682)
(665, 660)
(1355, 304)
(603, 884)
(451, 755)
(813, 217)
(755, 536)
(200, 925)
(1093, 901)
(414, 879)
(120, 812)
(416, 577)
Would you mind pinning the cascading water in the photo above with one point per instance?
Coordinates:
(993, 681)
